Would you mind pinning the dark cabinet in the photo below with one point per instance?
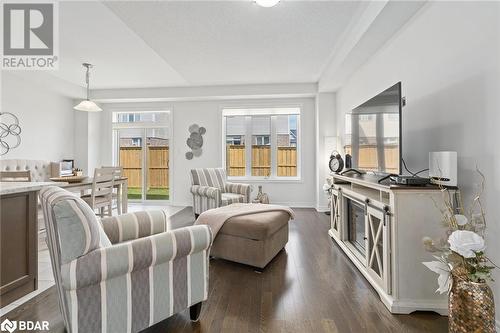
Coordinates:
(18, 245)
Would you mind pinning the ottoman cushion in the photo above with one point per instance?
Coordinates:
(259, 226)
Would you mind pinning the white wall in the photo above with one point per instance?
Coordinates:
(87, 147)
(448, 60)
(326, 128)
(45, 116)
(208, 114)
(81, 142)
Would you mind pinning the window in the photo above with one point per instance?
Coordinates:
(234, 139)
(274, 144)
(261, 140)
(140, 117)
(261, 151)
(235, 146)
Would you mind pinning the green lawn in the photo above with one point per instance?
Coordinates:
(134, 193)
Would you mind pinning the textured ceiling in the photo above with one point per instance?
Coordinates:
(239, 41)
(141, 44)
(137, 44)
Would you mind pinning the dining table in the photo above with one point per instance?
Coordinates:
(85, 183)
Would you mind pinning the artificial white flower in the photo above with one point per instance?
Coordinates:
(326, 187)
(461, 219)
(444, 278)
(466, 243)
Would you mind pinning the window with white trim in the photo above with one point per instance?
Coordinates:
(262, 143)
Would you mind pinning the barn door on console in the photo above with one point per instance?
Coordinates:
(335, 213)
(378, 247)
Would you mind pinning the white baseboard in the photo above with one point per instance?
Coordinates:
(289, 204)
(295, 204)
(322, 209)
(409, 306)
(498, 325)
(182, 204)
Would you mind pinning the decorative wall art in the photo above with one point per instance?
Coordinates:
(10, 132)
(195, 141)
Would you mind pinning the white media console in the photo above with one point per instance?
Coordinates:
(380, 228)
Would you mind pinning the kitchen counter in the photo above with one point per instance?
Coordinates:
(19, 239)
(20, 187)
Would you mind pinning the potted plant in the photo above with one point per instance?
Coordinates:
(462, 265)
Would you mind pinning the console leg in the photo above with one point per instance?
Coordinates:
(194, 312)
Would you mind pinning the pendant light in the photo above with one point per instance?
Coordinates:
(267, 3)
(87, 105)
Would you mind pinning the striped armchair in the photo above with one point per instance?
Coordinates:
(211, 190)
(123, 273)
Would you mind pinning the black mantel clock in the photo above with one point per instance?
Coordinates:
(336, 163)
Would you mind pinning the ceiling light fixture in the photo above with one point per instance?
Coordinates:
(87, 105)
(267, 3)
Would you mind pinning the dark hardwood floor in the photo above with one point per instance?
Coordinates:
(310, 287)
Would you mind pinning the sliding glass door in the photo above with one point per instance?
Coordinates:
(141, 146)
(157, 164)
(131, 153)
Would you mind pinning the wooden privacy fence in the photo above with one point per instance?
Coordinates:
(157, 166)
(261, 160)
(368, 158)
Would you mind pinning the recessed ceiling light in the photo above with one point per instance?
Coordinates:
(267, 3)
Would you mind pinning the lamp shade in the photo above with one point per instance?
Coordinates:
(87, 106)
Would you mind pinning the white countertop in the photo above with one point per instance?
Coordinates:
(20, 187)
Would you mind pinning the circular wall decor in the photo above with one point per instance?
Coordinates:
(10, 132)
(195, 141)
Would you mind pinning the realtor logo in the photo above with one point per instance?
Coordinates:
(29, 35)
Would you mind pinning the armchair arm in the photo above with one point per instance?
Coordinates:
(135, 225)
(120, 259)
(243, 189)
(206, 191)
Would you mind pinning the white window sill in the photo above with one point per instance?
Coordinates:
(286, 180)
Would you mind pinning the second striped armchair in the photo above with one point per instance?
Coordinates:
(211, 190)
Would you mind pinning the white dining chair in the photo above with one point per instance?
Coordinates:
(101, 194)
(117, 196)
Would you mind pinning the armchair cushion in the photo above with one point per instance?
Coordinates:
(243, 189)
(230, 198)
(79, 230)
(128, 257)
(135, 225)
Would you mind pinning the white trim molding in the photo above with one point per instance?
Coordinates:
(200, 93)
(322, 209)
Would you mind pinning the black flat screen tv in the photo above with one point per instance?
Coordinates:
(373, 133)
